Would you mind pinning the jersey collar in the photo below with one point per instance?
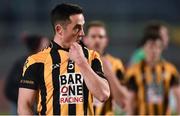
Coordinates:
(54, 45)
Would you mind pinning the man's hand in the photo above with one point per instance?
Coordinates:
(76, 53)
(176, 91)
(97, 85)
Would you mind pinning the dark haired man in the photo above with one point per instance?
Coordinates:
(152, 28)
(151, 80)
(65, 75)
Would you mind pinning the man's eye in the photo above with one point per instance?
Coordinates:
(76, 30)
(101, 36)
(98, 36)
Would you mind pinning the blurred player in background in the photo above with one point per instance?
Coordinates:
(154, 27)
(151, 80)
(34, 44)
(97, 39)
(64, 77)
(139, 55)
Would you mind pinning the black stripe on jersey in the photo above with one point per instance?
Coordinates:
(143, 65)
(154, 80)
(174, 80)
(29, 79)
(71, 69)
(107, 107)
(156, 112)
(56, 60)
(85, 89)
(97, 67)
(43, 91)
(94, 108)
(119, 74)
(131, 84)
(166, 99)
(85, 51)
(103, 110)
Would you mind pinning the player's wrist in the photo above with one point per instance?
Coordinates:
(81, 62)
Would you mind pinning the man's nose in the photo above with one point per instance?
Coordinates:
(81, 33)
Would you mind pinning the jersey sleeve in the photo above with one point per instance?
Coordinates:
(96, 64)
(174, 78)
(119, 70)
(130, 81)
(31, 74)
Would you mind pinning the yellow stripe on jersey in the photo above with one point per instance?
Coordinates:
(117, 66)
(58, 81)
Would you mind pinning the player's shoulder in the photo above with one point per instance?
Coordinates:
(93, 53)
(109, 56)
(40, 56)
(36, 59)
(117, 62)
(132, 71)
(113, 58)
(134, 68)
(169, 65)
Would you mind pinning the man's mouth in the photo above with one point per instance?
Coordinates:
(97, 46)
(78, 39)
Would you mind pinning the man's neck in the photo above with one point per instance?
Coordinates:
(101, 52)
(60, 42)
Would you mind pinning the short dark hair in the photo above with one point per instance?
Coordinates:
(95, 24)
(151, 32)
(152, 37)
(61, 13)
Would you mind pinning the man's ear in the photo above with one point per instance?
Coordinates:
(58, 29)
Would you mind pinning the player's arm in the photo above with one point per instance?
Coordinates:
(132, 87)
(176, 91)
(26, 101)
(119, 71)
(97, 85)
(28, 86)
(119, 93)
(175, 87)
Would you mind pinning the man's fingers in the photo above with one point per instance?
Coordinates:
(72, 46)
(76, 44)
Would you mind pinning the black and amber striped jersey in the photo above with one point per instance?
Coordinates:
(107, 107)
(151, 86)
(117, 66)
(58, 81)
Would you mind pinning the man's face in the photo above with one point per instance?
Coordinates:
(73, 31)
(153, 50)
(165, 36)
(97, 39)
